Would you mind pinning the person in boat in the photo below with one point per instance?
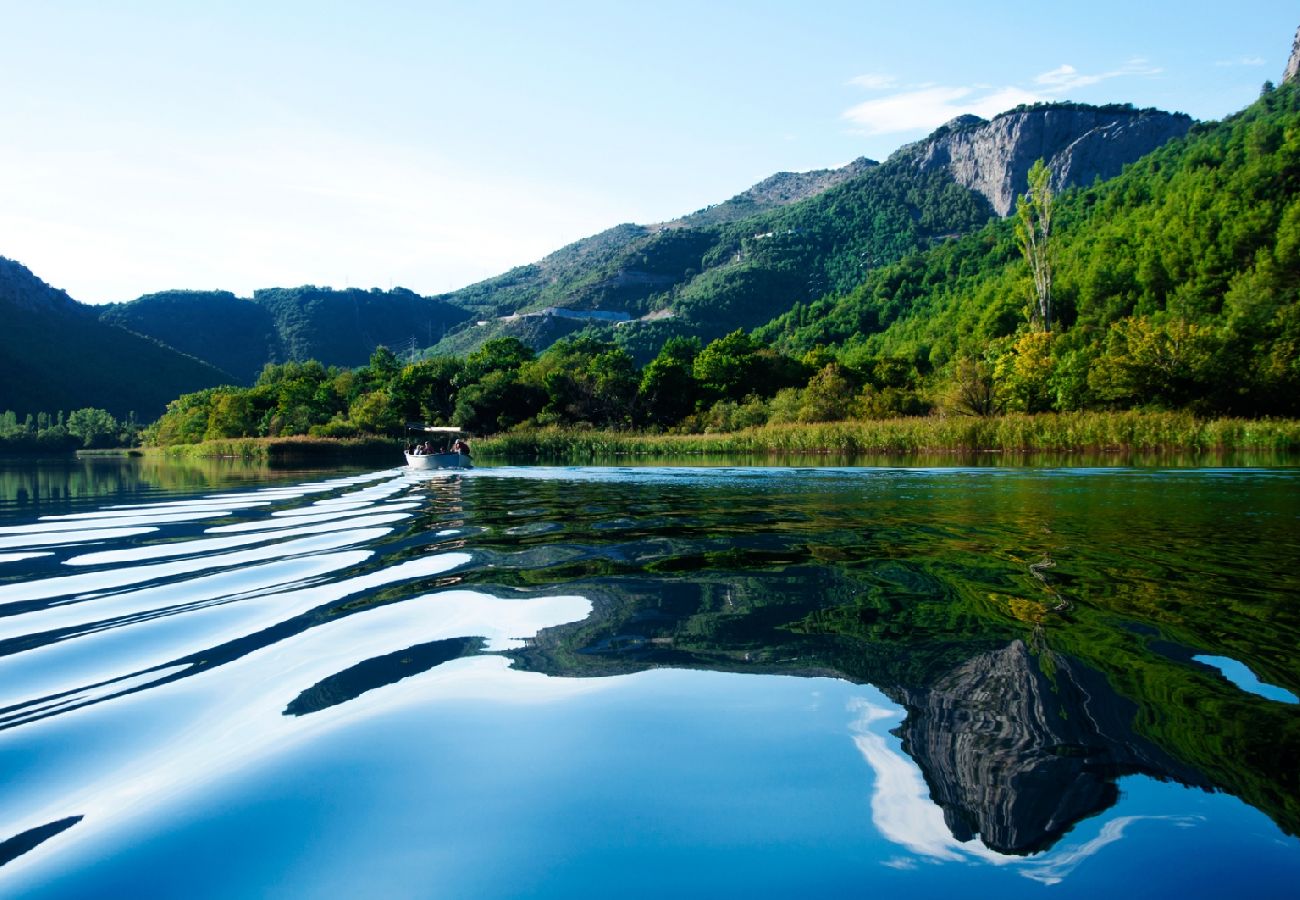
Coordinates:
(427, 449)
(461, 446)
(412, 450)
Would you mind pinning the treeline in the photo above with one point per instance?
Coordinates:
(1175, 286)
(81, 429)
(732, 382)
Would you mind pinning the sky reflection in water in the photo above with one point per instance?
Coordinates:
(299, 690)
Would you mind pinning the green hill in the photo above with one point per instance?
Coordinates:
(55, 354)
(231, 333)
(277, 325)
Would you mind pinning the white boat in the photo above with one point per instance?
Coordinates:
(444, 456)
(438, 461)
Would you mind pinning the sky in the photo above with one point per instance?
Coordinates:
(147, 146)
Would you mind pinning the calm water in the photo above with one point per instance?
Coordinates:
(555, 682)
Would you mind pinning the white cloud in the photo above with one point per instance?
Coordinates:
(930, 107)
(926, 106)
(874, 81)
(1243, 61)
(1066, 77)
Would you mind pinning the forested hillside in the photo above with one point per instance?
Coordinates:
(55, 354)
(794, 239)
(240, 336)
(231, 333)
(1175, 285)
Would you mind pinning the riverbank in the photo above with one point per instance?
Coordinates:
(1043, 433)
(1089, 432)
(288, 449)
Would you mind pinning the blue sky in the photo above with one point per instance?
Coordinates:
(156, 145)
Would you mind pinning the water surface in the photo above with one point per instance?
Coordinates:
(698, 681)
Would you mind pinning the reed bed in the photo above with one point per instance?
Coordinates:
(281, 449)
(1057, 433)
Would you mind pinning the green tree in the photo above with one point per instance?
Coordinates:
(93, 427)
(498, 402)
(504, 354)
(668, 390)
(727, 367)
(1034, 234)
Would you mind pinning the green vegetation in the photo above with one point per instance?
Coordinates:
(1174, 286)
(240, 336)
(82, 429)
(55, 354)
(1045, 433)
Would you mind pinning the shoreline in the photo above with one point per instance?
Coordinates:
(1092, 434)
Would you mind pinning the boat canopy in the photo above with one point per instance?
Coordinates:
(434, 429)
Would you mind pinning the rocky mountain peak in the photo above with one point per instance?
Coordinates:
(1079, 143)
(1293, 64)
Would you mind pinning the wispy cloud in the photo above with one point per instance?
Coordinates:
(1243, 61)
(874, 81)
(929, 107)
(919, 107)
(1067, 77)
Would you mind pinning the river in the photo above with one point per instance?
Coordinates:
(218, 680)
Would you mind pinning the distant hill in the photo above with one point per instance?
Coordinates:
(794, 238)
(233, 334)
(340, 328)
(55, 354)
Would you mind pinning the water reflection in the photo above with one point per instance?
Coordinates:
(1031, 640)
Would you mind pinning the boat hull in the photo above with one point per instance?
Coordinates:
(439, 461)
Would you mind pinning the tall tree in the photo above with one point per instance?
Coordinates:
(1034, 234)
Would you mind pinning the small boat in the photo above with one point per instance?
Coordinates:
(451, 450)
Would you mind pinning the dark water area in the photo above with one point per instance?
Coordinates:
(219, 680)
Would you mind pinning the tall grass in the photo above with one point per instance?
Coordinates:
(282, 449)
(1065, 432)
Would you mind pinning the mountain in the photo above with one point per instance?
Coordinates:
(55, 354)
(233, 334)
(794, 238)
(335, 327)
(1175, 285)
(1078, 143)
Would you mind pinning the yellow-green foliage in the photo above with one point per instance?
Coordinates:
(1064, 432)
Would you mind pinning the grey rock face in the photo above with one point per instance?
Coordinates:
(1077, 143)
(1293, 64)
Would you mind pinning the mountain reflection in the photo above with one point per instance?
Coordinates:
(1017, 758)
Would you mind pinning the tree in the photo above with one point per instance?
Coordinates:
(94, 427)
(503, 354)
(1034, 234)
(725, 368)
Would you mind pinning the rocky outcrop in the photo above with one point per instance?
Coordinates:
(1293, 64)
(1078, 143)
(777, 190)
(1018, 756)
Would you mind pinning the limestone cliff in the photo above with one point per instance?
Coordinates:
(1293, 64)
(1078, 143)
